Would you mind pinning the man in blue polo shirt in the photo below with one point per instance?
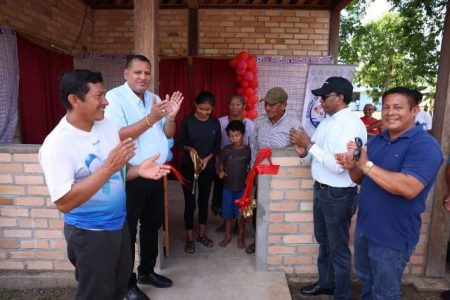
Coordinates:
(396, 175)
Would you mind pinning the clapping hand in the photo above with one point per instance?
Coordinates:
(159, 109)
(151, 170)
(173, 104)
(120, 155)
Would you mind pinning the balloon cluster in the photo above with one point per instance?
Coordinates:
(246, 70)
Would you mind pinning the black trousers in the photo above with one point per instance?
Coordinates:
(204, 188)
(145, 203)
(102, 261)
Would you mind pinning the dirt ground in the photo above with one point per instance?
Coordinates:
(408, 293)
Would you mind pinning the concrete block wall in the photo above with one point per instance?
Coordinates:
(291, 246)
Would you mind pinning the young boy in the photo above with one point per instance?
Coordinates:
(233, 168)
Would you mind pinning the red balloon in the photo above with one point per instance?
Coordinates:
(244, 84)
(243, 55)
(242, 64)
(252, 100)
(249, 107)
(244, 113)
(234, 62)
(252, 114)
(254, 70)
(248, 76)
(253, 84)
(251, 61)
(249, 92)
(240, 91)
(240, 72)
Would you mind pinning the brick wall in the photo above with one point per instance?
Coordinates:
(263, 32)
(31, 235)
(221, 32)
(66, 24)
(290, 239)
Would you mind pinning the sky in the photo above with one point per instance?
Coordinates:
(376, 10)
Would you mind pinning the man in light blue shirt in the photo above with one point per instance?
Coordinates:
(141, 115)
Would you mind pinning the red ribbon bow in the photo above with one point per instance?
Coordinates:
(245, 203)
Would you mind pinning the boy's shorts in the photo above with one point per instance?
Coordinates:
(229, 209)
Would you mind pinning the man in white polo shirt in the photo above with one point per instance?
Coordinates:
(141, 115)
(334, 192)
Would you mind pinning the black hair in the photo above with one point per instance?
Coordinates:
(411, 95)
(236, 96)
(76, 82)
(205, 97)
(419, 96)
(236, 125)
(130, 58)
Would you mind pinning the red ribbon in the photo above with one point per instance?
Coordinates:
(245, 202)
(178, 175)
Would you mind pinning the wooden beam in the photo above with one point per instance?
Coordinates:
(340, 5)
(440, 218)
(193, 32)
(333, 40)
(192, 3)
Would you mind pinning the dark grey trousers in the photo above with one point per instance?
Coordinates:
(102, 261)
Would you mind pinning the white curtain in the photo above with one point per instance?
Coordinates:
(111, 67)
(9, 84)
(291, 74)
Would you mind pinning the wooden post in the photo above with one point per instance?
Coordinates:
(146, 36)
(146, 42)
(333, 41)
(440, 218)
(166, 218)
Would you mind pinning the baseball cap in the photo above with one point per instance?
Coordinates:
(275, 95)
(338, 85)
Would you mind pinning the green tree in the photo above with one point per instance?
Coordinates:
(402, 48)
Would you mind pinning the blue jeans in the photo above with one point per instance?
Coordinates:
(379, 268)
(333, 210)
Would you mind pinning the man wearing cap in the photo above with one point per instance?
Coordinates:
(334, 192)
(272, 129)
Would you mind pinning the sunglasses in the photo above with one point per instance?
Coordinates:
(324, 98)
(357, 151)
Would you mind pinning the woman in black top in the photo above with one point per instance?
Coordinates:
(200, 134)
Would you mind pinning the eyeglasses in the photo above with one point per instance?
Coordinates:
(324, 98)
(357, 151)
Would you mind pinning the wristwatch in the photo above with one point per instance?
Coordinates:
(369, 165)
(308, 147)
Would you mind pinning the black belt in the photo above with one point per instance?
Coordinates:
(321, 186)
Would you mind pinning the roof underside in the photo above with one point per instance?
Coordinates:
(227, 4)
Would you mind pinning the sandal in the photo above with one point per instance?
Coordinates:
(189, 247)
(205, 241)
(250, 249)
